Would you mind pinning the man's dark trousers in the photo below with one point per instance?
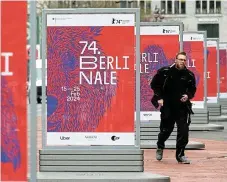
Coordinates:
(170, 116)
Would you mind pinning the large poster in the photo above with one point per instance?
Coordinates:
(212, 75)
(159, 46)
(194, 47)
(90, 79)
(13, 91)
(223, 69)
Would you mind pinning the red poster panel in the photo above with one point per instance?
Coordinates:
(13, 91)
(212, 71)
(223, 69)
(194, 47)
(159, 46)
(90, 76)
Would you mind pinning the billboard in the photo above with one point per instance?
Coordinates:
(223, 69)
(13, 91)
(194, 47)
(90, 79)
(212, 71)
(159, 46)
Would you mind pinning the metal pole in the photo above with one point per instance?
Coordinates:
(33, 125)
(138, 79)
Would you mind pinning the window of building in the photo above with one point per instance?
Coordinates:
(218, 7)
(208, 7)
(198, 7)
(212, 30)
(173, 6)
(163, 5)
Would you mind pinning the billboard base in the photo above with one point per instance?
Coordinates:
(214, 109)
(94, 165)
(171, 144)
(153, 126)
(206, 127)
(93, 160)
(200, 116)
(224, 111)
(100, 177)
(223, 102)
(218, 118)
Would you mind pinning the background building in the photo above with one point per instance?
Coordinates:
(209, 15)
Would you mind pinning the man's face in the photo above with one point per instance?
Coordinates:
(181, 61)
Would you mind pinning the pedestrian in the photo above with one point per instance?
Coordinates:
(174, 86)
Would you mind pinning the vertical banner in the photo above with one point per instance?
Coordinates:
(212, 71)
(194, 47)
(13, 91)
(159, 46)
(223, 69)
(90, 79)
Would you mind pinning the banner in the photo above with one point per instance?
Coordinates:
(212, 89)
(194, 47)
(90, 79)
(223, 69)
(13, 91)
(159, 46)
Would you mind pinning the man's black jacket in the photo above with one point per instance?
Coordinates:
(161, 85)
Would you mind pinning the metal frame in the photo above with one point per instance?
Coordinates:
(135, 11)
(218, 68)
(180, 24)
(205, 61)
(33, 118)
(226, 62)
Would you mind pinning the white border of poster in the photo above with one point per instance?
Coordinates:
(159, 29)
(92, 140)
(195, 37)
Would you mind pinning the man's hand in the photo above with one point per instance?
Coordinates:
(160, 102)
(184, 98)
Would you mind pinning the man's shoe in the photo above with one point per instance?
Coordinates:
(159, 154)
(183, 160)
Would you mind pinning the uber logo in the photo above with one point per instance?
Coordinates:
(64, 138)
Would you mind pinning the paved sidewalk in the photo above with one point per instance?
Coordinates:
(208, 165)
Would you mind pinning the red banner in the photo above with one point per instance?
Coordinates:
(212, 72)
(159, 47)
(195, 63)
(13, 91)
(223, 70)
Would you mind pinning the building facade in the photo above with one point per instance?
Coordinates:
(197, 15)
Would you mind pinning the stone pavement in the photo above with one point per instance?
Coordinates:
(208, 165)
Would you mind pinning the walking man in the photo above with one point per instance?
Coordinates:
(174, 86)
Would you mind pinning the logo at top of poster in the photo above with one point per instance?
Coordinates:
(119, 21)
(168, 31)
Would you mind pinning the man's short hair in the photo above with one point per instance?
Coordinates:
(181, 53)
